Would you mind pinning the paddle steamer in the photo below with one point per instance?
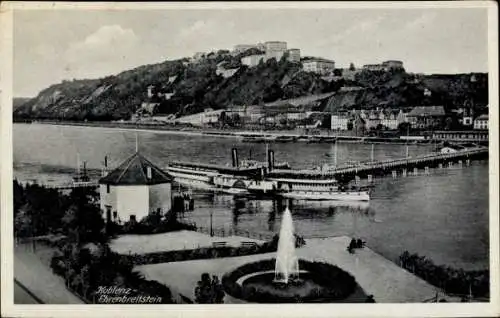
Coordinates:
(314, 185)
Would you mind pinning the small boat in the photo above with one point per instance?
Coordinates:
(270, 138)
(314, 140)
(285, 139)
(259, 139)
(252, 139)
(329, 139)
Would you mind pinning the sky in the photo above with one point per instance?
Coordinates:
(52, 45)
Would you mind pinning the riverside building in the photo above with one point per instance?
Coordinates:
(135, 189)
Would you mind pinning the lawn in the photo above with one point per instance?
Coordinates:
(171, 241)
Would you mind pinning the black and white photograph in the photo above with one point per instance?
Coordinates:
(257, 154)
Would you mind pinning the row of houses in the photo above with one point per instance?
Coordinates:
(390, 118)
(300, 111)
(419, 117)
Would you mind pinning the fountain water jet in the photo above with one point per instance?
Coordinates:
(287, 263)
(257, 282)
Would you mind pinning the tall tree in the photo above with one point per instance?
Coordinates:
(83, 220)
(23, 225)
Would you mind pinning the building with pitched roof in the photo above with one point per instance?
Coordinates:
(426, 117)
(481, 122)
(134, 189)
(359, 125)
(340, 121)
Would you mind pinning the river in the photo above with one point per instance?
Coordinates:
(443, 216)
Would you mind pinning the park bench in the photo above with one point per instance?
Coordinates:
(248, 244)
(219, 244)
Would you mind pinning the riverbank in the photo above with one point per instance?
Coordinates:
(300, 135)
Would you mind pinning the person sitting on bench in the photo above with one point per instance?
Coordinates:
(360, 243)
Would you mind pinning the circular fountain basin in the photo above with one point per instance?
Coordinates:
(251, 275)
(316, 282)
(264, 282)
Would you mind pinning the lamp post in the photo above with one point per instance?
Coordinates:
(211, 223)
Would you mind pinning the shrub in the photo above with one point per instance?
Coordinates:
(209, 290)
(84, 272)
(452, 280)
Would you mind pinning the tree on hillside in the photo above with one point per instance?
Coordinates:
(272, 93)
(352, 67)
(251, 51)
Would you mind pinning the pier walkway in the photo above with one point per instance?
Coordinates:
(65, 185)
(405, 165)
(369, 169)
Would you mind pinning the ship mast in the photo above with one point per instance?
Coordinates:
(335, 156)
(407, 138)
(267, 155)
(78, 164)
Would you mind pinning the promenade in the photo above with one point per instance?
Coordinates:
(376, 275)
(32, 271)
(341, 136)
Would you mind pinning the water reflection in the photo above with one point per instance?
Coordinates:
(264, 216)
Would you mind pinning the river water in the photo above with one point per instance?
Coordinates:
(443, 215)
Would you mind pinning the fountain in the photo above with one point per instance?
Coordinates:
(287, 264)
(277, 280)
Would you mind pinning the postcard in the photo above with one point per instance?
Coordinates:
(290, 159)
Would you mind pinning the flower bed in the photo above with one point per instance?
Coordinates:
(207, 252)
(199, 253)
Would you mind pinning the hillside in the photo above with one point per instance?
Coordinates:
(19, 101)
(400, 89)
(195, 86)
